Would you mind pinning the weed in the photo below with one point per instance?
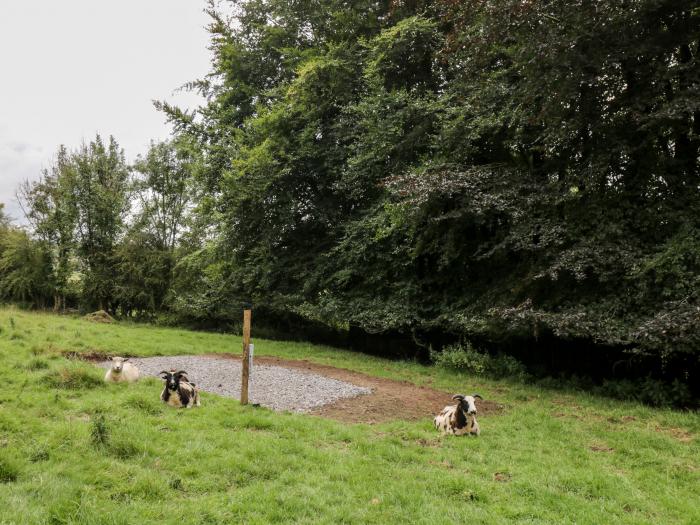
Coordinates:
(99, 431)
(39, 454)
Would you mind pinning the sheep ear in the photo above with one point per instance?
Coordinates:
(163, 374)
(110, 358)
(477, 396)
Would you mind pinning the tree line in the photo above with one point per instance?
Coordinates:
(521, 174)
(103, 234)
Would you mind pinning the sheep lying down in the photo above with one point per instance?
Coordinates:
(178, 391)
(121, 371)
(459, 419)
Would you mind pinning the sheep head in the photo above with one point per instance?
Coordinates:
(172, 379)
(118, 363)
(467, 403)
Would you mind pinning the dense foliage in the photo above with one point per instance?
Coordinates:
(522, 174)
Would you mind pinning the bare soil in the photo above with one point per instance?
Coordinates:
(390, 400)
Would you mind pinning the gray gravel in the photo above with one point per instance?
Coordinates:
(274, 387)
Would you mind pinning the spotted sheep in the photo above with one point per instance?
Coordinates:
(459, 419)
(178, 391)
(121, 370)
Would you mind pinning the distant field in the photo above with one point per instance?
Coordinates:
(76, 451)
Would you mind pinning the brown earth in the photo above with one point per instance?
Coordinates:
(390, 400)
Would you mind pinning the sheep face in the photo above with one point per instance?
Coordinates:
(467, 403)
(172, 379)
(118, 364)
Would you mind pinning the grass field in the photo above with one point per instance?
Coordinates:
(73, 450)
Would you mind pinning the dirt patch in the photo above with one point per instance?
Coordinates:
(90, 355)
(601, 448)
(623, 419)
(502, 477)
(390, 400)
(444, 464)
(565, 415)
(680, 434)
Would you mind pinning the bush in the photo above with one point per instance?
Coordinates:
(465, 358)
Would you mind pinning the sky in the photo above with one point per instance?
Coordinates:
(72, 68)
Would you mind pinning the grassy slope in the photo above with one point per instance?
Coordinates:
(226, 464)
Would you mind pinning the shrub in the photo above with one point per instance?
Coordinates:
(465, 358)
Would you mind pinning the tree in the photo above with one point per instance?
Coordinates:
(146, 256)
(164, 189)
(100, 193)
(496, 169)
(4, 219)
(51, 211)
(25, 269)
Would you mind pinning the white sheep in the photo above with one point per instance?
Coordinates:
(459, 419)
(121, 371)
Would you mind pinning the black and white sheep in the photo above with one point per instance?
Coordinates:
(178, 391)
(121, 370)
(459, 419)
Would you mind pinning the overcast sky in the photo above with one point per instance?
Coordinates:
(73, 68)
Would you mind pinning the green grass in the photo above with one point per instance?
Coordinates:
(73, 450)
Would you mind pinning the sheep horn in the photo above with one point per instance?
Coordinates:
(163, 372)
(180, 373)
(477, 396)
(458, 396)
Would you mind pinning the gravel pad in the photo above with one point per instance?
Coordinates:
(273, 387)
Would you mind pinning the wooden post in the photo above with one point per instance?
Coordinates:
(246, 357)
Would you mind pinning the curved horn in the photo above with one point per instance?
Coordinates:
(477, 396)
(180, 373)
(164, 372)
(458, 396)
